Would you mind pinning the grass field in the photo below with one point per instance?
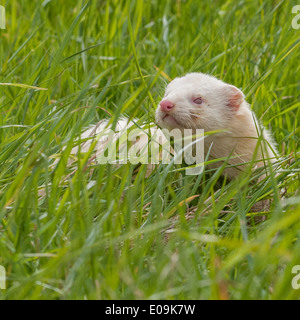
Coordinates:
(98, 233)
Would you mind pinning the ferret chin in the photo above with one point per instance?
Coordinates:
(200, 101)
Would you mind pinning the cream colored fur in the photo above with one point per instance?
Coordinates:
(223, 109)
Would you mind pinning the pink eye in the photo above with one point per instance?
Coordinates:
(198, 100)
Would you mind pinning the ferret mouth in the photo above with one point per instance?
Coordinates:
(170, 120)
(165, 116)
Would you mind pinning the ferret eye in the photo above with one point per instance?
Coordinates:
(198, 100)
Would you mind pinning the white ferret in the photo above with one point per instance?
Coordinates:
(200, 101)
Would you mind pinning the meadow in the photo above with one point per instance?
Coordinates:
(94, 231)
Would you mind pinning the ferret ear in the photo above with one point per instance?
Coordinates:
(235, 97)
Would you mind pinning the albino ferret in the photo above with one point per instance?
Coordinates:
(200, 101)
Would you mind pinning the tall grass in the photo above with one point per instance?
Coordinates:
(104, 232)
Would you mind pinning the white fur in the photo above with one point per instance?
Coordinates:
(241, 127)
(223, 108)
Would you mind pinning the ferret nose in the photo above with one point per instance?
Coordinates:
(166, 105)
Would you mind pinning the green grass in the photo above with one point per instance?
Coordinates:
(99, 233)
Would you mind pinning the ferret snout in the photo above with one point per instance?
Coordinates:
(166, 105)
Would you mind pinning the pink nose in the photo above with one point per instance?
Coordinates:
(166, 105)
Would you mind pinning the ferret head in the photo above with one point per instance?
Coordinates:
(199, 101)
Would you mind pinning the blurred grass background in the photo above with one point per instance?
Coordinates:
(97, 233)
